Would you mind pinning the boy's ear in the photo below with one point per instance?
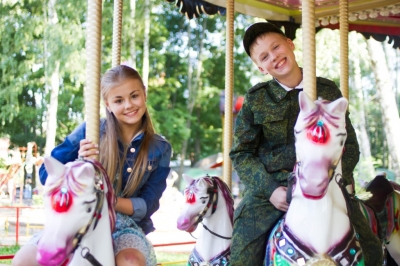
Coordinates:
(291, 43)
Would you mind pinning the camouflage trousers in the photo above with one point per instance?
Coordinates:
(252, 225)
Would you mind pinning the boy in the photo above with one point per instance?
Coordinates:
(263, 152)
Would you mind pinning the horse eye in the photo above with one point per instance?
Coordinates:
(89, 209)
(341, 143)
(204, 202)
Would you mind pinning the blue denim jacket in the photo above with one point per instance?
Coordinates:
(146, 198)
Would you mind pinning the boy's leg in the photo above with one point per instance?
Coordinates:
(370, 244)
(250, 233)
(244, 250)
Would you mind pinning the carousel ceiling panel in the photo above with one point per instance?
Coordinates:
(371, 16)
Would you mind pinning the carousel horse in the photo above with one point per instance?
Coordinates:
(316, 229)
(208, 201)
(78, 226)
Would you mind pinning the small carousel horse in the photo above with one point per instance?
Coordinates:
(208, 200)
(78, 226)
(316, 229)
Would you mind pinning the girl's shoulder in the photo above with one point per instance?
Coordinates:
(159, 146)
(160, 142)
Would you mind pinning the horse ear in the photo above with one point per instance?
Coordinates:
(201, 183)
(87, 170)
(187, 179)
(54, 168)
(305, 103)
(338, 106)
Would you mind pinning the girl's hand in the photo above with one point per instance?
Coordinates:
(87, 148)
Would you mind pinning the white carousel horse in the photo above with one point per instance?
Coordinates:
(78, 226)
(208, 200)
(316, 228)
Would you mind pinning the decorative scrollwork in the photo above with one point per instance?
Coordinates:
(194, 8)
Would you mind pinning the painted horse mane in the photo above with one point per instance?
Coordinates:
(192, 189)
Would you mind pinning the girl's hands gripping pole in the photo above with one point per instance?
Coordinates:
(88, 149)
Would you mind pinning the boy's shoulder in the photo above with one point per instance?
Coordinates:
(259, 86)
(326, 82)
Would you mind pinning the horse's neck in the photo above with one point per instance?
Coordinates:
(319, 223)
(209, 245)
(98, 241)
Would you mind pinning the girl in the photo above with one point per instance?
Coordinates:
(136, 159)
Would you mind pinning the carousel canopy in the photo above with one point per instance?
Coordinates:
(377, 18)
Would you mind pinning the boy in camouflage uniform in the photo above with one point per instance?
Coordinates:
(263, 153)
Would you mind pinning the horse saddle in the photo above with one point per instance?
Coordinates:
(381, 190)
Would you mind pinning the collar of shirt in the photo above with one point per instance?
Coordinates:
(299, 86)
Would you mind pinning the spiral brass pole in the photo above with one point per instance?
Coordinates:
(93, 64)
(344, 48)
(117, 29)
(228, 120)
(308, 25)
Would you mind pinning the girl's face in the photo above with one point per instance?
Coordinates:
(128, 103)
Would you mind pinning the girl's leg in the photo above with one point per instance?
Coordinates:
(130, 257)
(26, 256)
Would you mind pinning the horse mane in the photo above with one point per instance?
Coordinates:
(320, 111)
(73, 185)
(225, 190)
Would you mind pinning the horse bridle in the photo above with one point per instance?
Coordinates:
(99, 191)
(340, 182)
(212, 199)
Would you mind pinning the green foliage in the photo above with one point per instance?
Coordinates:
(8, 250)
(31, 45)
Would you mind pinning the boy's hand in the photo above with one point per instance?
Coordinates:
(87, 149)
(278, 199)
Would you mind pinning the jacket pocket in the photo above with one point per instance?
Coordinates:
(274, 129)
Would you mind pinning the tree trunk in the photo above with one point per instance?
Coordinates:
(365, 166)
(387, 102)
(193, 87)
(51, 128)
(146, 43)
(132, 48)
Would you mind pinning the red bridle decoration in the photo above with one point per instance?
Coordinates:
(318, 133)
(61, 200)
(190, 196)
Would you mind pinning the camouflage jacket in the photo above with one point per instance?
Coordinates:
(263, 151)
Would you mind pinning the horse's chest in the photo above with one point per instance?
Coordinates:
(284, 248)
(221, 259)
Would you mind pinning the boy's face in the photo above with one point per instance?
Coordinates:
(273, 54)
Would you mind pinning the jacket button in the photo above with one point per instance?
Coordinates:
(149, 167)
(129, 170)
(133, 150)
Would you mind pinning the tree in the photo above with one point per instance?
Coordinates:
(51, 120)
(387, 102)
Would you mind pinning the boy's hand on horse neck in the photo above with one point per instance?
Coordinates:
(278, 199)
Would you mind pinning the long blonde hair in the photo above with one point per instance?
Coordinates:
(111, 157)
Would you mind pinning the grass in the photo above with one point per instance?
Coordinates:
(166, 258)
(8, 250)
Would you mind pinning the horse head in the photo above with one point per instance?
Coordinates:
(73, 201)
(320, 133)
(202, 197)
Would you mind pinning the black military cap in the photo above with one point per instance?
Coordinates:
(256, 30)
